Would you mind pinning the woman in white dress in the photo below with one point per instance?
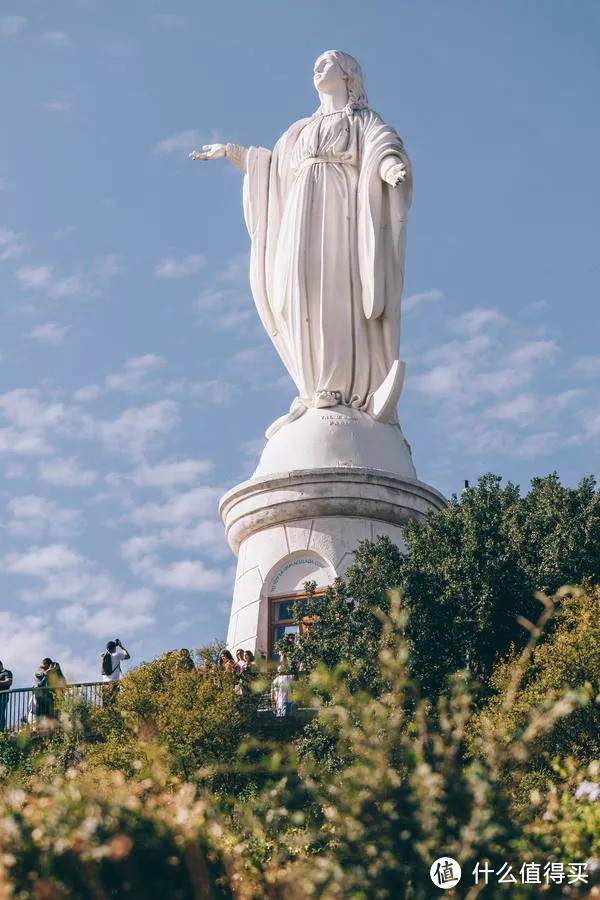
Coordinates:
(326, 213)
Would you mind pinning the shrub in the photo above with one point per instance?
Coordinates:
(568, 659)
(91, 836)
(406, 791)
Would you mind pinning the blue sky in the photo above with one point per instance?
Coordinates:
(136, 381)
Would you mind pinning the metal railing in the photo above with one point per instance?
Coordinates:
(23, 707)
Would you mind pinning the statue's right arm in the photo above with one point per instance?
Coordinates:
(236, 154)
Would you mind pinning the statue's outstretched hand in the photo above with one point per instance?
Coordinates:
(209, 151)
(396, 174)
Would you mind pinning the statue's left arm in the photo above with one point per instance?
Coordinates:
(384, 195)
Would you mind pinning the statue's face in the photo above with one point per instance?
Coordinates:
(328, 77)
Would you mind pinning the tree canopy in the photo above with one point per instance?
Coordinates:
(469, 572)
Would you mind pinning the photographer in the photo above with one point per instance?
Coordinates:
(110, 660)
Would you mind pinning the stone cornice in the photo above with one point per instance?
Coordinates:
(317, 493)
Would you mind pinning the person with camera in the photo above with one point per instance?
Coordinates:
(110, 660)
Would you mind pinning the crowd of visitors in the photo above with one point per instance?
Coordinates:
(244, 670)
(49, 683)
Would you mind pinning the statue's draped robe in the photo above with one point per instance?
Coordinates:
(327, 258)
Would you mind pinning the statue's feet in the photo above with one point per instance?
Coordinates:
(325, 399)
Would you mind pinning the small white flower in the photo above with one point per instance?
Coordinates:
(588, 790)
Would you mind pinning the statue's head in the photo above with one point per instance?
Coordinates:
(335, 66)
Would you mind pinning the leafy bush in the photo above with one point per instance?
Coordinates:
(569, 658)
(406, 790)
(403, 789)
(96, 836)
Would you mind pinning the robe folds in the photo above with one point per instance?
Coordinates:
(327, 252)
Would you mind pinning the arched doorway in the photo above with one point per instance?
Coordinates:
(286, 588)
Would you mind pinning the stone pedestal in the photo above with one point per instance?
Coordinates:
(325, 482)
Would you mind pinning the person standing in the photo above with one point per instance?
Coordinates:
(42, 695)
(239, 668)
(226, 661)
(6, 680)
(281, 693)
(111, 659)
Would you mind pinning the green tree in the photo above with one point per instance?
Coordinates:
(469, 573)
(349, 617)
(473, 568)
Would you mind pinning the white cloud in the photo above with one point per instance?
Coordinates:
(49, 333)
(179, 575)
(23, 443)
(476, 320)
(12, 25)
(591, 421)
(180, 268)
(65, 472)
(42, 279)
(498, 390)
(129, 612)
(26, 640)
(34, 278)
(539, 444)
(15, 470)
(11, 244)
(134, 377)
(532, 352)
(87, 393)
(410, 303)
(132, 430)
(58, 105)
(179, 509)
(109, 265)
(131, 377)
(39, 562)
(24, 408)
(520, 409)
(170, 474)
(588, 366)
(251, 357)
(93, 602)
(213, 391)
(180, 143)
(205, 535)
(56, 39)
(34, 516)
(184, 575)
(227, 304)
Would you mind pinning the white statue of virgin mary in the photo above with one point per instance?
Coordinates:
(326, 212)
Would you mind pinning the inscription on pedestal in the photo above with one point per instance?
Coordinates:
(339, 419)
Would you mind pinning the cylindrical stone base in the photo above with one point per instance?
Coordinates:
(305, 526)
